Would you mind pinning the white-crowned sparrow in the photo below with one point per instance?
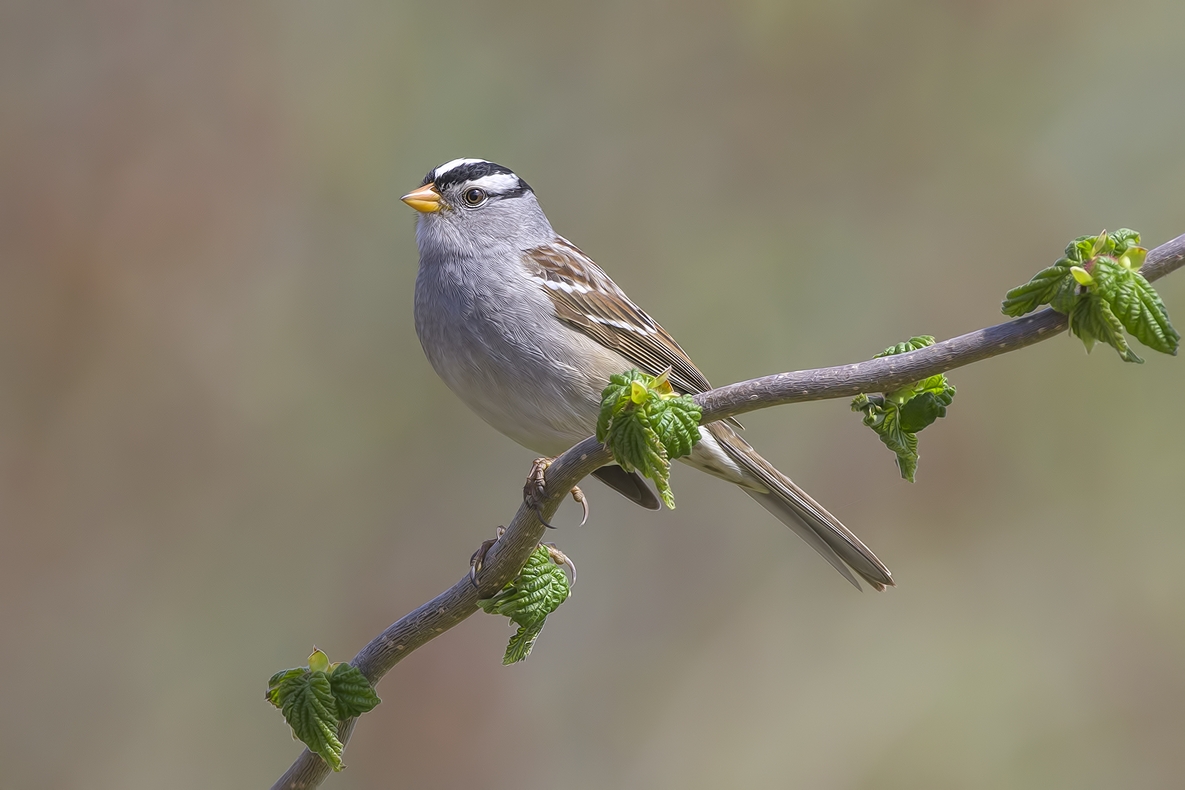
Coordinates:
(526, 330)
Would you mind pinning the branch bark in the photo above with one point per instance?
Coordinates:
(526, 530)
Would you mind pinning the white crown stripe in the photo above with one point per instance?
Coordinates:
(453, 165)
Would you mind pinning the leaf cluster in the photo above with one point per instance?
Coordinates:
(538, 590)
(1097, 284)
(314, 699)
(897, 417)
(646, 426)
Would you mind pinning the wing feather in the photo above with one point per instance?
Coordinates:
(587, 300)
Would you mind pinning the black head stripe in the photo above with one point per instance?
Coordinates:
(470, 171)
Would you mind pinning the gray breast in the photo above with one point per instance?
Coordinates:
(493, 339)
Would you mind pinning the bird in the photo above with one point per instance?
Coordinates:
(526, 329)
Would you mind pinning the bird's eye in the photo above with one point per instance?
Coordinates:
(475, 196)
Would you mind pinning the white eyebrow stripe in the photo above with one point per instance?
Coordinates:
(497, 182)
(447, 166)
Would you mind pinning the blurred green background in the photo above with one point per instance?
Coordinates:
(220, 442)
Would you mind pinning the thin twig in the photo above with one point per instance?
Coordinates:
(509, 554)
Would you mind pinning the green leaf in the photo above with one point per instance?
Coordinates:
(922, 410)
(614, 399)
(1056, 285)
(937, 385)
(676, 421)
(538, 590)
(891, 433)
(522, 643)
(643, 450)
(279, 687)
(906, 452)
(352, 692)
(314, 699)
(306, 700)
(662, 482)
(634, 443)
(1139, 308)
(1105, 280)
(1099, 287)
(1036, 292)
(896, 417)
(645, 424)
(913, 344)
(1065, 296)
(1079, 249)
(1093, 320)
(1123, 240)
(886, 423)
(1085, 323)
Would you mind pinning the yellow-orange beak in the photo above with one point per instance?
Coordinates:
(426, 199)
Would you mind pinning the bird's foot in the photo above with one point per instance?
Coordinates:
(479, 556)
(535, 491)
(561, 559)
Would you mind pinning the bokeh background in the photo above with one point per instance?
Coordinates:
(220, 442)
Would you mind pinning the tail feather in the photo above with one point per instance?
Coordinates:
(797, 510)
(629, 484)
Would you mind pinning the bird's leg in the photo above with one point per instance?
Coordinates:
(536, 490)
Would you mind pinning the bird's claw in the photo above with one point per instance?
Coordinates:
(561, 559)
(535, 491)
(578, 496)
(479, 556)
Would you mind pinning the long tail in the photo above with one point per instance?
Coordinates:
(797, 510)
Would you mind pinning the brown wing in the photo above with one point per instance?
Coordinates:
(586, 299)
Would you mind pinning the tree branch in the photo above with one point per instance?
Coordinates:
(509, 554)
